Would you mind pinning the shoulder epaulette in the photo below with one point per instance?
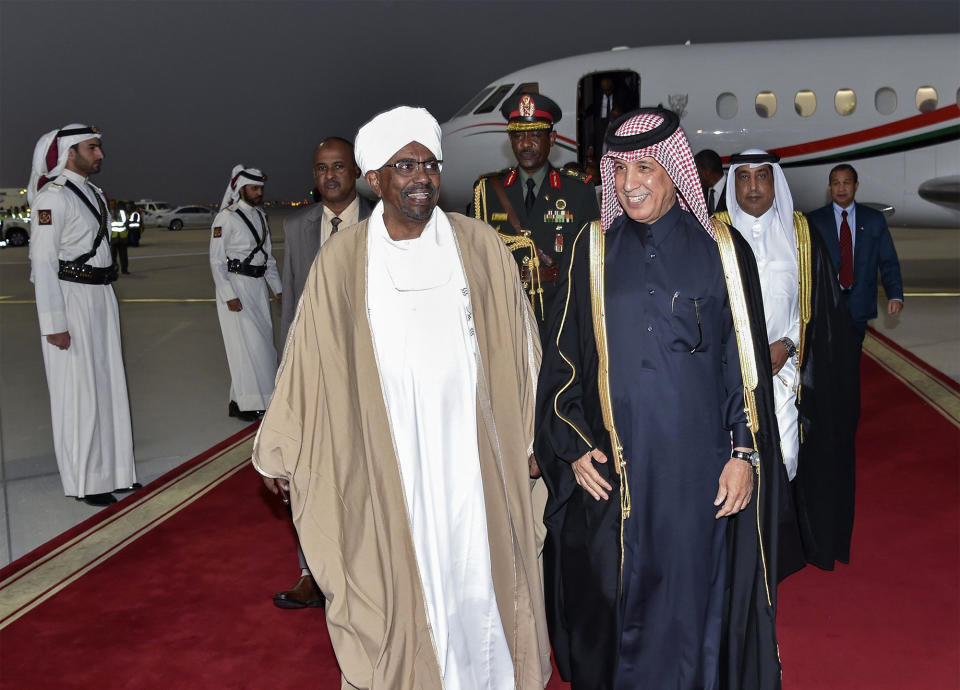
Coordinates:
(583, 177)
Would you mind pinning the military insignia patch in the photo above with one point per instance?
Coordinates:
(561, 204)
(526, 107)
(45, 217)
(498, 216)
(217, 231)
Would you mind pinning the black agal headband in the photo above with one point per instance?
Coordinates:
(754, 158)
(641, 140)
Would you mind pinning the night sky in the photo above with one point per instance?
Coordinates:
(184, 90)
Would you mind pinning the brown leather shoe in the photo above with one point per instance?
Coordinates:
(302, 595)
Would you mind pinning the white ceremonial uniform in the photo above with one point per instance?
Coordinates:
(247, 334)
(776, 251)
(89, 406)
(420, 317)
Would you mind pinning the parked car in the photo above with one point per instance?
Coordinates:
(14, 231)
(150, 209)
(186, 217)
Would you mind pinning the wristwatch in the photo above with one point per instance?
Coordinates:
(791, 348)
(753, 457)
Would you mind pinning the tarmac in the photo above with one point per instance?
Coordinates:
(179, 382)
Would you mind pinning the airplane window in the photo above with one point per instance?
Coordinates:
(472, 103)
(886, 100)
(494, 100)
(845, 101)
(805, 103)
(766, 104)
(727, 105)
(927, 99)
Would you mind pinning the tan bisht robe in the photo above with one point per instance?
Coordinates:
(327, 430)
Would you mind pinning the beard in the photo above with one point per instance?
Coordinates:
(418, 211)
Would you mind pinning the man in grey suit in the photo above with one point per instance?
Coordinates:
(305, 231)
(335, 171)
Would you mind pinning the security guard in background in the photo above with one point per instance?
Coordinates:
(537, 208)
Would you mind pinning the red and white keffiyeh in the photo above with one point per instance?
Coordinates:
(672, 152)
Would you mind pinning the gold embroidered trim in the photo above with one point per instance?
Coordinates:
(741, 319)
(528, 126)
(563, 321)
(597, 255)
(748, 360)
(804, 269)
(480, 201)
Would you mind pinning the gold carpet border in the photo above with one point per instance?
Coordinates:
(37, 582)
(932, 390)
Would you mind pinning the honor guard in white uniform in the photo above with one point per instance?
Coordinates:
(243, 266)
(71, 269)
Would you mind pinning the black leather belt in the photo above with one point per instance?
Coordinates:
(84, 273)
(245, 269)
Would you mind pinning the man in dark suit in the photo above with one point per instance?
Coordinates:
(338, 207)
(859, 244)
(712, 180)
(335, 171)
(536, 208)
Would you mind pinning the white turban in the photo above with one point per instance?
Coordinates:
(378, 140)
(51, 152)
(782, 202)
(240, 177)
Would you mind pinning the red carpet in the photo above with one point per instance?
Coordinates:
(186, 603)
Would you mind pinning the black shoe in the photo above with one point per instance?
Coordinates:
(132, 487)
(304, 594)
(234, 409)
(250, 415)
(98, 500)
(125, 271)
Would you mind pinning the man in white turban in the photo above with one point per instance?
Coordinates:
(814, 358)
(402, 426)
(71, 269)
(241, 259)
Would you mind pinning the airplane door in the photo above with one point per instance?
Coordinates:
(602, 97)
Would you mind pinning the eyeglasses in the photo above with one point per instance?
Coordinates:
(407, 167)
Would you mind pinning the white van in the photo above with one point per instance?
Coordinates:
(150, 209)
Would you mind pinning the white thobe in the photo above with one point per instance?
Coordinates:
(420, 317)
(776, 251)
(89, 406)
(248, 333)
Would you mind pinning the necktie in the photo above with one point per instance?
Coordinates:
(711, 201)
(335, 222)
(531, 195)
(846, 253)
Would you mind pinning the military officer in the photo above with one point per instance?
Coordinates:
(537, 208)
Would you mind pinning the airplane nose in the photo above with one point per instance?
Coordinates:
(459, 172)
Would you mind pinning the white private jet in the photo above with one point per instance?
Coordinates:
(888, 105)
